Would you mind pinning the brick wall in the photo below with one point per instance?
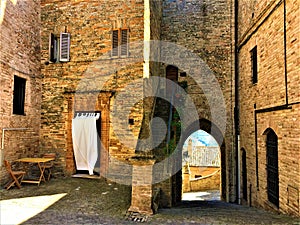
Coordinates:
(20, 56)
(91, 70)
(211, 182)
(204, 29)
(265, 29)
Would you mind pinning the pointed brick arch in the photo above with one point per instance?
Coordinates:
(272, 166)
(214, 131)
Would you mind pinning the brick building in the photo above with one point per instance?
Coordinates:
(21, 80)
(60, 58)
(268, 51)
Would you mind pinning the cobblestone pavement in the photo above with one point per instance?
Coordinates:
(91, 201)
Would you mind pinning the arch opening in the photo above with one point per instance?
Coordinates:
(201, 167)
(214, 133)
(272, 166)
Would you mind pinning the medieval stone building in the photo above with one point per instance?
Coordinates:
(233, 67)
(268, 51)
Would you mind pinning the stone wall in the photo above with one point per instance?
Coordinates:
(92, 70)
(210, 182)
(19, 56)
(201, 33)
(272, 102)
(200, 178)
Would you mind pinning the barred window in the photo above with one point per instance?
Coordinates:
(272, 167)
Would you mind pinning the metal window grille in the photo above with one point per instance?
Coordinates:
(272, 168)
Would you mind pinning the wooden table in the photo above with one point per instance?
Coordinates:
(41, 165)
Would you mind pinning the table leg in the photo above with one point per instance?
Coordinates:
(42, 170)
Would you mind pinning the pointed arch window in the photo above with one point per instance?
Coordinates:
(272, 167)
(244, 174)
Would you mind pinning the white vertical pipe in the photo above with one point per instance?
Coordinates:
(147, 38)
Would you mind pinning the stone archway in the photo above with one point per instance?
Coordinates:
(211, 129)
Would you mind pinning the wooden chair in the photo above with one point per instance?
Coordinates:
(16, 176)
(49, 165)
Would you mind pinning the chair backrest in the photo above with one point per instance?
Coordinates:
(49, 155)
(8, 166)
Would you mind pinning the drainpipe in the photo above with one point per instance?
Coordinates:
(285, 55)
(2, 140)
(237, 105)
(147, 38)
(239, 170)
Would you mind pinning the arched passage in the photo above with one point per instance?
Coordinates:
(201, 165)
(213, 130)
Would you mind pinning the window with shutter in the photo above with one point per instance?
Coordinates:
(115, 43)
(120, 42)
(124, 42)
(64, 47)
(19, 95)
(52, 48)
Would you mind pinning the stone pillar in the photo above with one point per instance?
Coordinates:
(141, 195)
(186, 178)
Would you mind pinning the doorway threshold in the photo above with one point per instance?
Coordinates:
(87, 176)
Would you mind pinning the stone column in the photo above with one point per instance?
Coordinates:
(186, 178)
(141, 195)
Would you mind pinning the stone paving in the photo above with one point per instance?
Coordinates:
(97, 201)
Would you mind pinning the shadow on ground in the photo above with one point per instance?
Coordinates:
(97, 201)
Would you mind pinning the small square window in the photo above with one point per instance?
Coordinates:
(19, 95)
(253, 53)
(183, 74)
(131, 121)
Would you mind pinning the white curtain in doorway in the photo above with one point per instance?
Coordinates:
(84, 134)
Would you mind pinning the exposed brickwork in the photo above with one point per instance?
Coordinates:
(211, 182)
(19, 56)
(204, 29)
(141, 197)
(266, 31)
(93, 80)
(90, 58)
